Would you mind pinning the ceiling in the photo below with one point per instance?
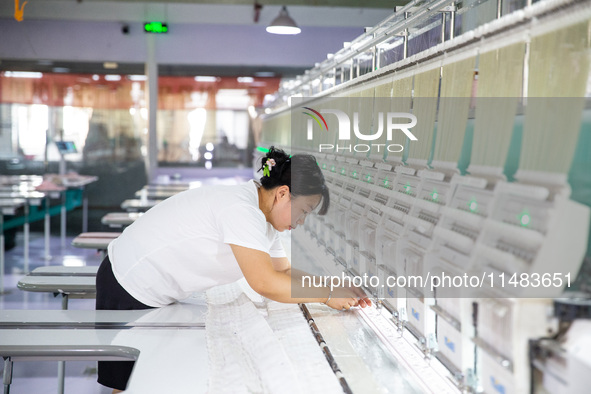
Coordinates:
(206, 38)
(309, 3)
(307, 13)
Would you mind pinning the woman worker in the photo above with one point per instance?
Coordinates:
(212, 236)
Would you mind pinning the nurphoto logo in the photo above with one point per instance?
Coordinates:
(393, 120)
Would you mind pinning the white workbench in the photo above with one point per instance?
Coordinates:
(60, 270)
(134, 205)
(180, 315)
(100, 335)
(94, 240)
(71, 285)
(120, 219)
(156, 194)
(170, 360)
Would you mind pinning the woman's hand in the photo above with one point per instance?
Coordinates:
(346, 297)
(348, 303)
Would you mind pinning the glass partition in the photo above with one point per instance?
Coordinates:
(201, 121)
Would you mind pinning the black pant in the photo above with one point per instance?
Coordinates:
(110, 295)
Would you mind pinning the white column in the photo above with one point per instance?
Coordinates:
(152, 100)
(1, 252)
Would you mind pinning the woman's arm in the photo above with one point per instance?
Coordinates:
(281, 264)
(278, 285)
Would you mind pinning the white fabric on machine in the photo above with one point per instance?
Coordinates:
(262, 347)
(500, 80)
(558, 71)
(456, 88)
(426, 91)
(402, 101)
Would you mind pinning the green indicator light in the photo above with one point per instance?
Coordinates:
(368, 178)
(333, 169)
(434, 195)
(343, 171)
(524, 219)
(155, 27)
(473, 205)
(386, 182)
(324, 166)
(354, 174)
(407, 188)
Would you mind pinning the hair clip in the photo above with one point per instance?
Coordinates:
(269, 164)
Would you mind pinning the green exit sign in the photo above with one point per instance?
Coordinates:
(155, 27)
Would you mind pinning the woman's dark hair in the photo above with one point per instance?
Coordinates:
(298, 172)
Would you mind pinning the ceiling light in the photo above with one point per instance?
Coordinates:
(283, 24)
(23, 74)
(137, 78)
(112, 77)
(205, 78)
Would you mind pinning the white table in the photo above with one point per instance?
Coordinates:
(186, 315)
(60, 270)
(33, 196)
(170, 360)
(67, 286)
(17, 188)
(169, 188)
(156, 194)
(134, 205)
(58, 335)
(176, 184)
(94, 240)
(179, 315)
(120, 219)
(8, 180)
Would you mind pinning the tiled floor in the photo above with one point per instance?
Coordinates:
(41, 377)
